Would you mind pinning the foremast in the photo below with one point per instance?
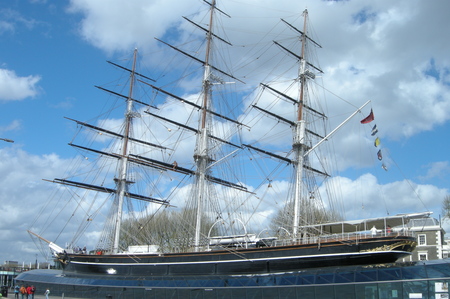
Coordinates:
(122, 182)
(299, 144)
(201, 154)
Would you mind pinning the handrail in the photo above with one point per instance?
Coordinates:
(356, 236)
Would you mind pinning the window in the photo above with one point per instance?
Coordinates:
(422, 239)
(423, 256)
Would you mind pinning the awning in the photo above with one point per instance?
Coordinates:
(366, 224)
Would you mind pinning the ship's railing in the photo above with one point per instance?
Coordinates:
(343, 237)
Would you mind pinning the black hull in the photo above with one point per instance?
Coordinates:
(245, 261)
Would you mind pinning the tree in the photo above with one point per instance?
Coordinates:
(282, 221)
(169, 230)
(446, 207)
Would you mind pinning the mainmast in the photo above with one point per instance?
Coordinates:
(121, 182)
(201, 155)
(299, 145)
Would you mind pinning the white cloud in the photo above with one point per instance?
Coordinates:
(11, 19)
(13, 126)
(120, 26)
(22, 196)
(365, 197)
(437, 170)
(14, 87)
(6, 27)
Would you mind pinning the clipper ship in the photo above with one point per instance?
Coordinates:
(194, 217)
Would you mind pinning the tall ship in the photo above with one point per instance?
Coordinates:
(225, 179)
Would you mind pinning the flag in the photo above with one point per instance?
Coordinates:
(380, 157)
(369, 118)
(377, 142)
(384, 167)
(374, 130)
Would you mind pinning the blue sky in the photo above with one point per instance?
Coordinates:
(42, 44)
(52, 54)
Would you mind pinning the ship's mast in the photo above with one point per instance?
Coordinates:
(121, 181)
(299, 146)
(201, 155)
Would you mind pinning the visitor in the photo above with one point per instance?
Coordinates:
(23, 291)
(16, 291)
(33, 289)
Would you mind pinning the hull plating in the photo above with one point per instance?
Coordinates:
(245, 261)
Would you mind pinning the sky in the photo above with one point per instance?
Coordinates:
(393, 53)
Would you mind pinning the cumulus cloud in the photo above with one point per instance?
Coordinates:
(120, 26)
(366, 197)
(14, 87)
(22, 194)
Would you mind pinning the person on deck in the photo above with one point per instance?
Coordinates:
(388, 230)
(374, 231)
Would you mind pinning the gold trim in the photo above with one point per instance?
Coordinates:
(403, 244)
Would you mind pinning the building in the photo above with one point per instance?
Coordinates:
(430, 240)
(10, 269)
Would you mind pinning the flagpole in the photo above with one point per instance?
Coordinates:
(337, 128)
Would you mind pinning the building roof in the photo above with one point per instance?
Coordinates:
(423, 222)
